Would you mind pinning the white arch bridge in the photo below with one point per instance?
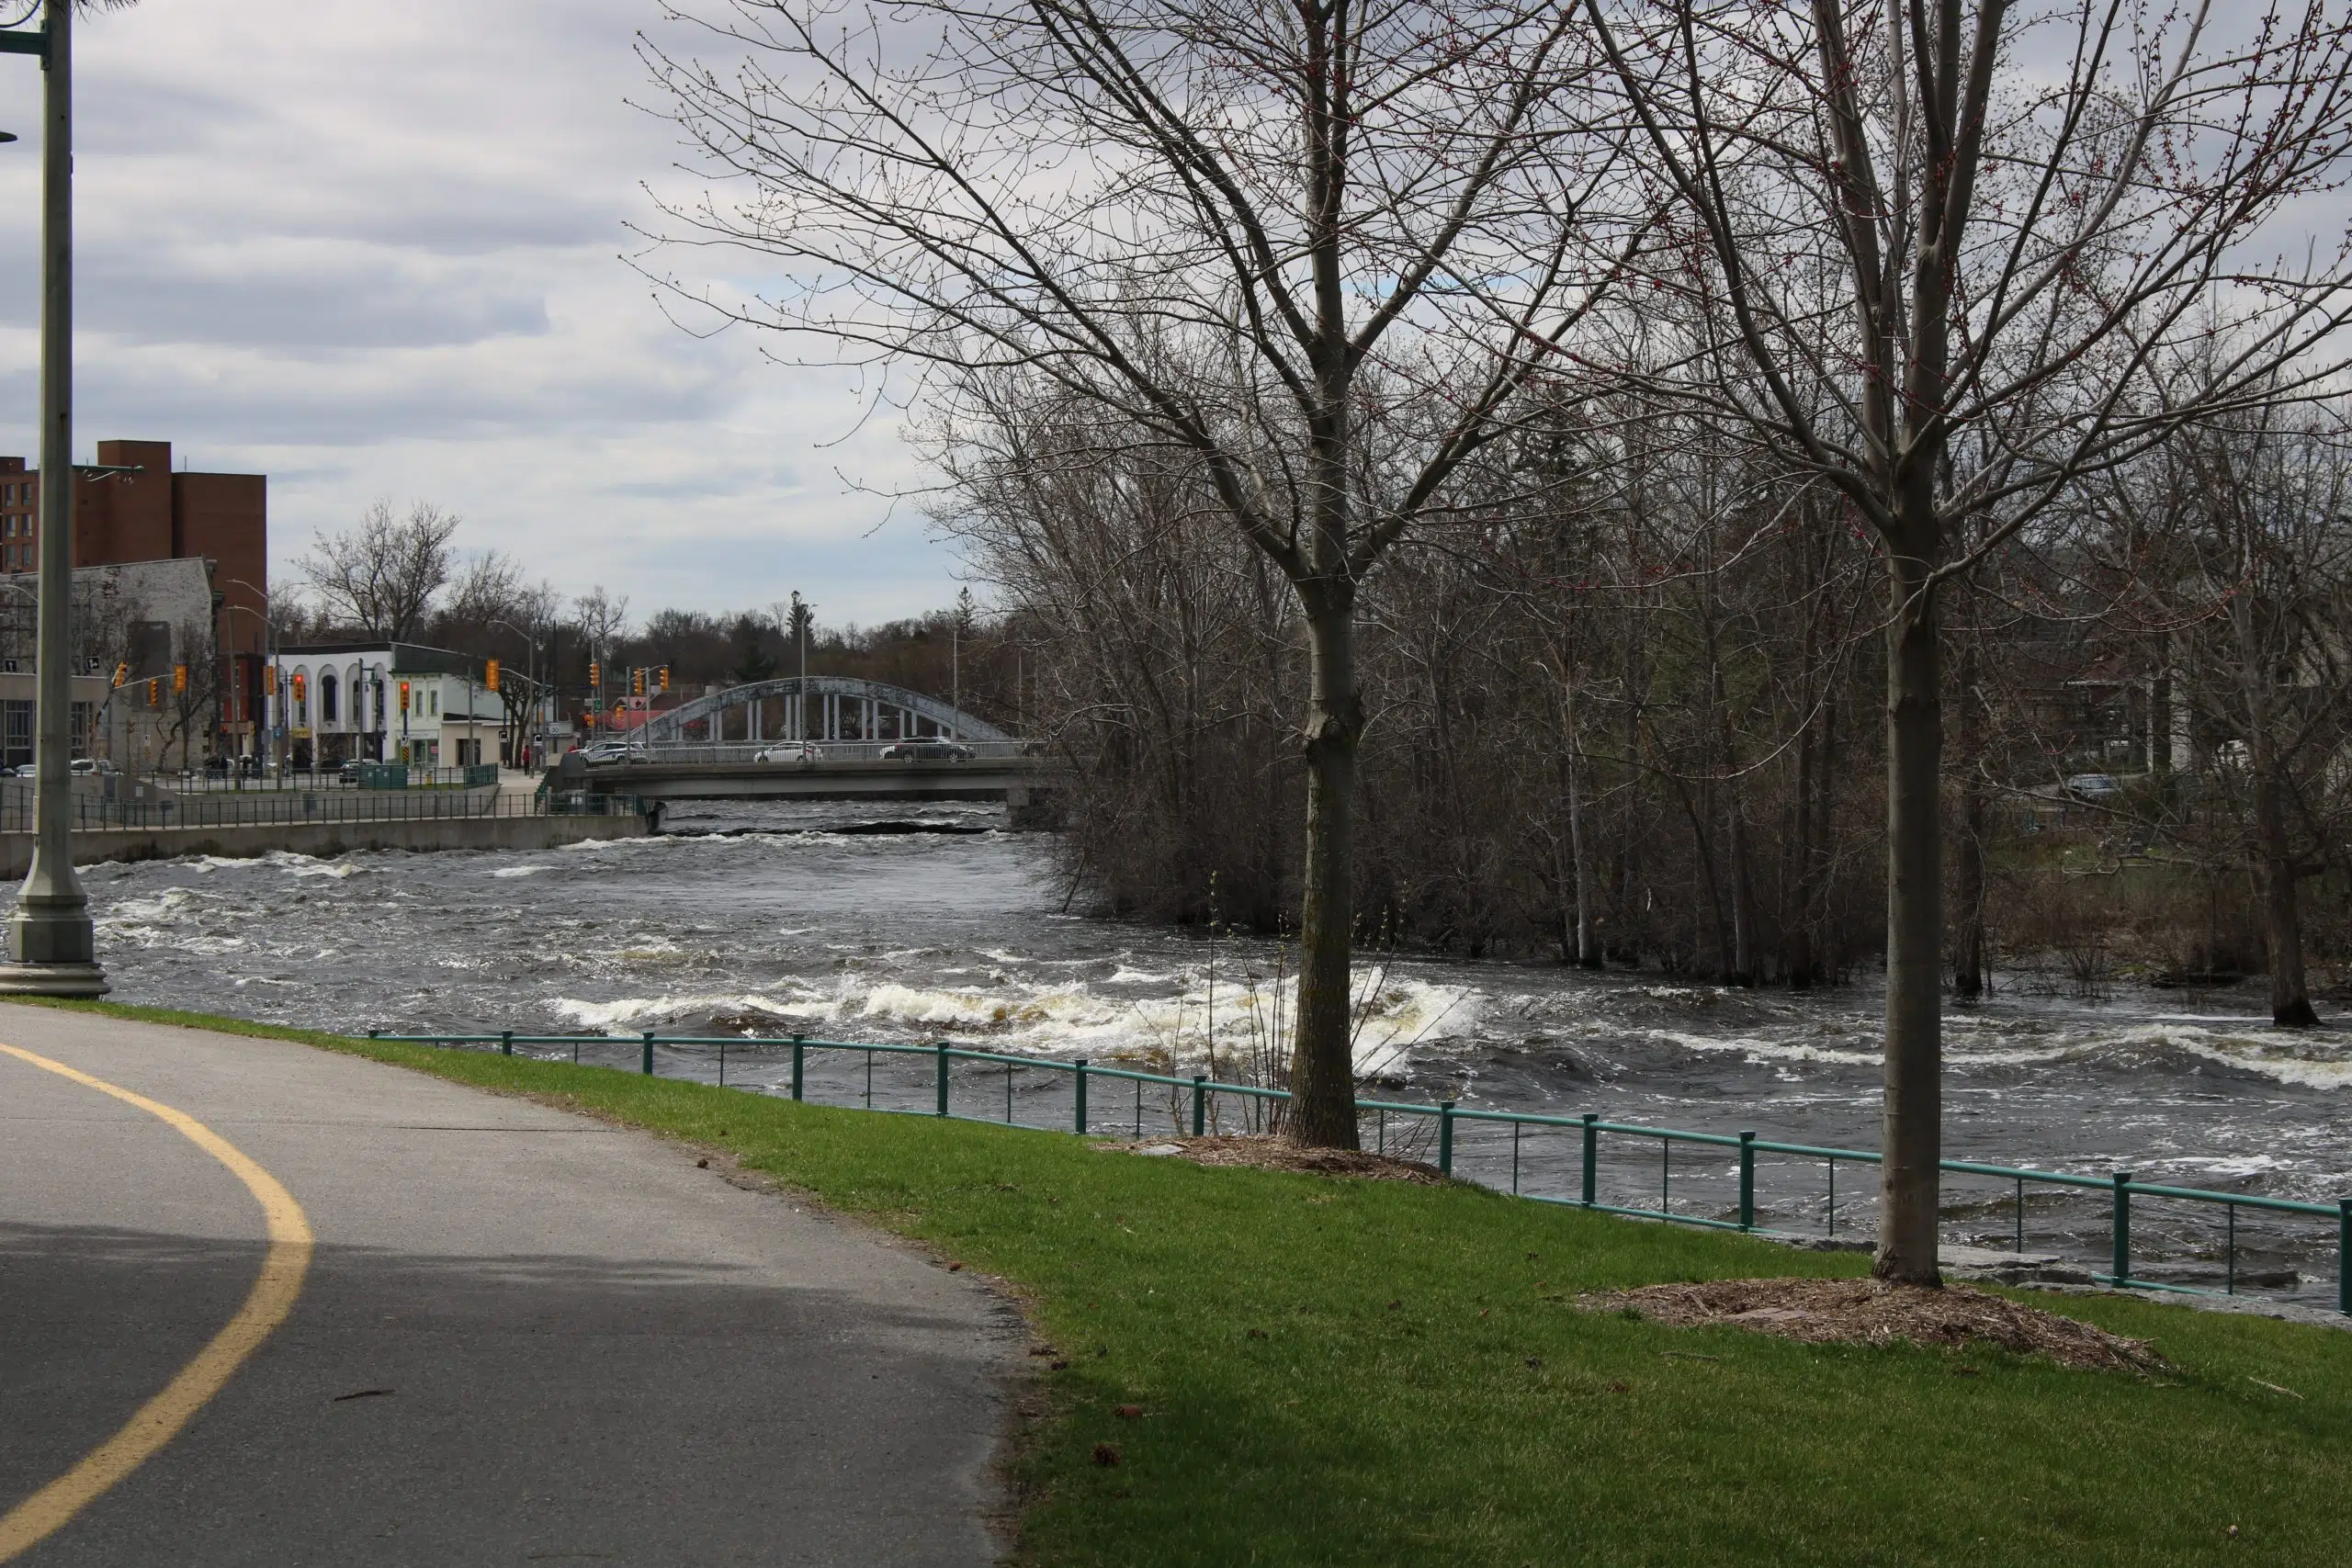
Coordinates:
(825, 738)
(825, 708)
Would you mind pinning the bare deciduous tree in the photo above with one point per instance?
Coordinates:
(1950, 257)
(601, 619)
(385, 574)
(2237, 544)
(1313, 250)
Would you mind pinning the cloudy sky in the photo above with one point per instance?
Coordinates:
(373, 248)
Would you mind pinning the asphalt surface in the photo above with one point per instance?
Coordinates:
(524, 1338)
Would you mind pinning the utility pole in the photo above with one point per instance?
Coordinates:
(52, 945)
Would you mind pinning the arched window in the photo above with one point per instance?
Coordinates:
(326, 697)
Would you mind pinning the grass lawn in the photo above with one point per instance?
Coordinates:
(1358, 1373)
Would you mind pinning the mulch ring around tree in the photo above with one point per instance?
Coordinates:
(1267, 1153)
(1874, 1312)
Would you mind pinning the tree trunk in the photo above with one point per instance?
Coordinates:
(2282, 924)
(1743, 899)
(1912, 1143)
(1588, 950)
(1323, 1108)
(1968, 941)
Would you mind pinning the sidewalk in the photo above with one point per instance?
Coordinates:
(524, 1335)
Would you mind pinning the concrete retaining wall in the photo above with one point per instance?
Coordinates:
(528, 834)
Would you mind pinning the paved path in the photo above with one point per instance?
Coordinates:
(570, 1345)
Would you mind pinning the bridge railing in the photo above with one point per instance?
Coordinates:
(788, 754)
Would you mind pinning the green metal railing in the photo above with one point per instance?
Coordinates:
(1193, 1100)
(259, 808)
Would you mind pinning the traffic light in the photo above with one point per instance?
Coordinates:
(180, 679)
(637, 682)
(121, 673)
(403, 696)
(155, 691)
(490, 675)
(298, 683)
(665, 677)
(595, 675)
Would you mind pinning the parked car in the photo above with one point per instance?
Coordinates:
(349, 772)
(2093, 787)
(926, 751)
(88, 766)
(805, 752)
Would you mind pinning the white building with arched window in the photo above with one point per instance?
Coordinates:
(336, 702)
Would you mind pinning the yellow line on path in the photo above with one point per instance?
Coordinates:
(160, 1419)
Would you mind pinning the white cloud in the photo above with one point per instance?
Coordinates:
(376, 250)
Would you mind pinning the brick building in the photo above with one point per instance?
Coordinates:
(157, 514)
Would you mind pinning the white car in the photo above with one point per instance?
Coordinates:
(926, 751)
(607, 751)
(803, 753)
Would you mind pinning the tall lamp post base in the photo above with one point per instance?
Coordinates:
(51, 980)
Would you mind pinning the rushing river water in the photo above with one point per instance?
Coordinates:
(736, 922)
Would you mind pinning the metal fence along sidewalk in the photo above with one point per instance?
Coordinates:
(1581, 1161)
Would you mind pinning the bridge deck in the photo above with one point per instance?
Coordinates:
(981, 779)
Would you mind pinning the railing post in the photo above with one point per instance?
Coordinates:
(645, 1063)
(1078, 1115)
(1591, 1155)
(2344, 1255)
(1747, 1181)
(506, 1042)
(2121, 1229)
(1445, 1137)
(799, 1063)
(1200, 1104)
(943, 1077)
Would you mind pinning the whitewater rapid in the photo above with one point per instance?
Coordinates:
(741, 923)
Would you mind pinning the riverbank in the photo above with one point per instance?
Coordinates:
(524, 834)
(1249, 1366)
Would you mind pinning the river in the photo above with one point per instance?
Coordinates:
(739, 920)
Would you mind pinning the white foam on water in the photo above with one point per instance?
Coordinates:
(1760, 1050)
(2231, 1165)
(1069, 1018)
(507, 872)
(622, 846)
(625, 1013)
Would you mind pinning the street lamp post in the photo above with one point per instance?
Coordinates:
(533, 742)
(264, 725)
(51, 942)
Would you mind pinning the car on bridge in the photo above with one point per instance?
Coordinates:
(805, 752)
(608, 751)
(927, 752)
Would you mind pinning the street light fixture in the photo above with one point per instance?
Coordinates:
(264, 725)
(51, 942)
(536, 738)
